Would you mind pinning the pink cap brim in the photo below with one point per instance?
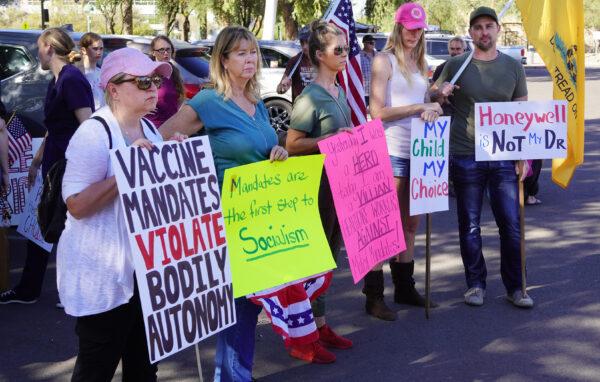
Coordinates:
(412, 25)
(135, 65)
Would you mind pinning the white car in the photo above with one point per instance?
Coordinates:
(275, 55)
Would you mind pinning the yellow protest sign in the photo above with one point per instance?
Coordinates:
(272, 223)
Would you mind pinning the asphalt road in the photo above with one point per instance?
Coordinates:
(556, 341)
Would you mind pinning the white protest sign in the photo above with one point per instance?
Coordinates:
(172, 206)
(18, 173)
(29, 226)
(520, 130)
(429, 145)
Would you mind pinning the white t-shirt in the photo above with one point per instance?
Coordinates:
(93, 261)
(401, 93)
(93, 77)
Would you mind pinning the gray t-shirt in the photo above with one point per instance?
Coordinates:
(317, 113)
(500, 80)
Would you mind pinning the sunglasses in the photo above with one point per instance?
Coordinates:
(144, 82)
(163, 50)
(339, 50)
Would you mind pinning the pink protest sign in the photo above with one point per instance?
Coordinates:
(360, 174)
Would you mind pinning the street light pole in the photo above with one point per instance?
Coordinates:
(42, 14)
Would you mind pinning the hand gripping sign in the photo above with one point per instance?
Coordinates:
(172, 207)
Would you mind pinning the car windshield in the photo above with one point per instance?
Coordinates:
(197, 65)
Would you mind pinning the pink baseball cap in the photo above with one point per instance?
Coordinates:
(411, 16)
(133, 62)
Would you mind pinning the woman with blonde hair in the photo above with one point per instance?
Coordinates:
(171, 94)
(232, 114)
(69, 102)
(399, 92)
(92, 48)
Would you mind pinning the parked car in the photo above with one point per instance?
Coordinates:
(24, 83)
(275, 55)
(191, 60)
(381, 39)
(517, 52)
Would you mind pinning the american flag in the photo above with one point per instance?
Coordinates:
(19, 139)
(340, 14)
(288, 307)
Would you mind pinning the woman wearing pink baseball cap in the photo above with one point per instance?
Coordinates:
(94, 266)
(399, 92)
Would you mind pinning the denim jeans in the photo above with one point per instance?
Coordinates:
(235, 345)
(470, 181)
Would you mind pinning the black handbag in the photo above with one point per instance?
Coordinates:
(52, 210)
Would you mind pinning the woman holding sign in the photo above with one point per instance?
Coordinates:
(319, 112)
(236, 121)
(399, 92)
(94, 266)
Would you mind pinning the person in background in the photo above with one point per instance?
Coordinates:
(92, 48)
(456, 47)
(531, 185)
(171, 94)
(69, 102)
(236, 121)
(367, 54)
(304, 72)
(320, 112)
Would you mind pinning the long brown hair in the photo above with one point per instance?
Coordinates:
(227, 41)
(62, 44)
(176, 75)
(395, 46)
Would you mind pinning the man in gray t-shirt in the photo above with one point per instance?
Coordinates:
(490, 77)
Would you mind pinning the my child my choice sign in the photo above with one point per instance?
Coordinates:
(429, 145)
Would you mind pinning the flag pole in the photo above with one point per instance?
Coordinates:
(522, 224)
(427, 265)
(201, 378)
(468, 60)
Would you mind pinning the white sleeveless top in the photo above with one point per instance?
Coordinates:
(401, 93)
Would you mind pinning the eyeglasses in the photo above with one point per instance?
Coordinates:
(369, 42)
(339, 50)
(144, 82)
(163, 50)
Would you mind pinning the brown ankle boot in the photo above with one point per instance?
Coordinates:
(375, 305)
(404, 285)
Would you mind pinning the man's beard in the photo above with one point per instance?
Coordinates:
(484, 46)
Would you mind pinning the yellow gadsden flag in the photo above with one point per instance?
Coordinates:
(555, 27)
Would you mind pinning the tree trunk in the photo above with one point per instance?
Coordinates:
(290, 25)
(186, 28)
(128, 16)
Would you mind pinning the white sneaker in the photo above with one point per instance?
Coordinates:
(474, 296)
(520, 300)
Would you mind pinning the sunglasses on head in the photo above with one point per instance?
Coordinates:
(339, 50)
(144, 82)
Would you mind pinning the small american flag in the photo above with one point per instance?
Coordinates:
(340, 14)
(19, 139)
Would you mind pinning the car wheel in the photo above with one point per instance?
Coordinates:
(280, 112)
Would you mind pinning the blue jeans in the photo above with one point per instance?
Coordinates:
(235, 345)
(470, 181)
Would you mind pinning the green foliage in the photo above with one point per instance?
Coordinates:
(248, 13)
(591, 14)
